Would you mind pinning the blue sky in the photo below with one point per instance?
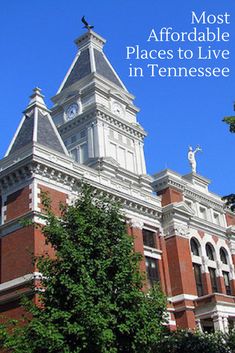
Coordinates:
(37, 48)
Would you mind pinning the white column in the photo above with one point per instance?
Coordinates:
(225, 322)
(100, 136)
(218, 322)
(197, 208)
(205, 264)
(142, 158)
(210, 215)
(138, 157)
(4, 209)
(90, 141)
(106, 140)
(98, 139)
(198, 324)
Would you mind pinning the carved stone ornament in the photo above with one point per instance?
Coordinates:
(136, 223)
(180, 230)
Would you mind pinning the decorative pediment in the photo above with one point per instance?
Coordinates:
(119, 95)
(180, 207)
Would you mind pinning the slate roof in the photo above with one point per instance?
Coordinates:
(83, 67)
(104, 69)
(46, 135)
(25, 134)
(37, 126)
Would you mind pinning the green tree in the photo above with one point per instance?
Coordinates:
(183, 341)
(93, 299)
(230, 199)
(230, 120)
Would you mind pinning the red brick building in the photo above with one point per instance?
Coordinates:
(183, 230)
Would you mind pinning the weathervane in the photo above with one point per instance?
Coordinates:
(87, 26)
(192, 159)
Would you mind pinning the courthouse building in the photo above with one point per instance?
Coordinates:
(182, 229)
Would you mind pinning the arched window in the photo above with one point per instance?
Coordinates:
(223, 256)
(210, 252)
(194, 247)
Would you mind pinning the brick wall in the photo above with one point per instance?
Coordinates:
(230, 219)
(180, 266)
(170, 195)
(17, 204)
(56, 198)
(17, 251)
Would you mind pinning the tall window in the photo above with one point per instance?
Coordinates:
(194, 247)
(216, 218)
(152, 271)
(223, 256)
(83, 153)
(74, 154)
(149, 238)
(80, 153)
(227, 283)
(198, 279)
(203, 212)
(213, 278)
(210, 252)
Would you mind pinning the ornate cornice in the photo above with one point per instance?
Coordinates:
(180, 230)
(204, 199)
(136, 223)
(168, 178)
(63, 172)
(96, 112)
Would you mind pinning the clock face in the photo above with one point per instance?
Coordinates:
(72, 111)
(117, 109)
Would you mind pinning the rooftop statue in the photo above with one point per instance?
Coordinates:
(192, 159)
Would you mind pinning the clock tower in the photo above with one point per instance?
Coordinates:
(95, 114)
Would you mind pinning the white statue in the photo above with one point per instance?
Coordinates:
(192, 159)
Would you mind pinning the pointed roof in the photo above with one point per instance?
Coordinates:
(90, 59)
(37, 126)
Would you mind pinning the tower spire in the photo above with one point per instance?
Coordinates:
(37, 126)
(36, 99)
(89, 60)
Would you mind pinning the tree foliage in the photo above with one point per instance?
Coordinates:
(183, 341)
(230, 120)
(230, 201)
(91, 299)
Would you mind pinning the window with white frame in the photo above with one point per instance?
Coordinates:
(152, 271)
(149, 238)
(227, 282)
(210, 252)
(216, 218)
(202, 212)
(198, 278)
(223, 256)
(189, 204)
(194, 247)
(80, 153)
(213, 278)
